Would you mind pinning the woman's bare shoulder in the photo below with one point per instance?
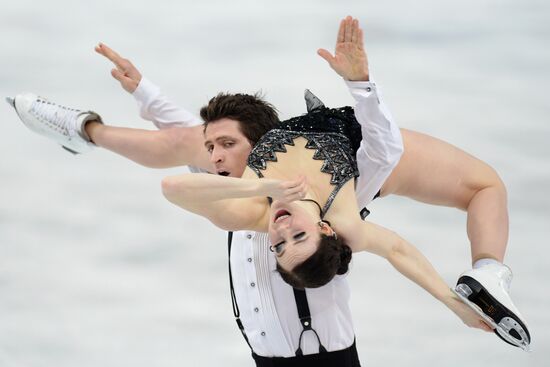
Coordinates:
(249, 173)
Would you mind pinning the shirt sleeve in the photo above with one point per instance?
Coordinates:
(381, 145)
(156, 107)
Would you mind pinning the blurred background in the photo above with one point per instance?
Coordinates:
(97, 269)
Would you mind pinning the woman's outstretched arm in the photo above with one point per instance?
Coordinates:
(414, 265)
(228, 202)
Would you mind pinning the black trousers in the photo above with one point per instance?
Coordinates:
(341, 358)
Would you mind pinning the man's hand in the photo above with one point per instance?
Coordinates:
(350, 59)
(125, 72)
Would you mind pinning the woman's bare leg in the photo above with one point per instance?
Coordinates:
(435, 172)
(170, 147)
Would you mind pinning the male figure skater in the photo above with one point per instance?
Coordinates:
(268, 306)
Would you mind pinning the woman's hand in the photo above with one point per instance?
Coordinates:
(287, 191)
(466, 314)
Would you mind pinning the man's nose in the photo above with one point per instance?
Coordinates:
(216, 156)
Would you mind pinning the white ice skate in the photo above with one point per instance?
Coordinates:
(62, 124)
(487, 291)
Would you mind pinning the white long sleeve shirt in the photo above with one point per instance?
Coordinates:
(266, 303)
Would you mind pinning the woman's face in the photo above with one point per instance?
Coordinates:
(294, 232)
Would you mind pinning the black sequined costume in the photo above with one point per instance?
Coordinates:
(334, 133)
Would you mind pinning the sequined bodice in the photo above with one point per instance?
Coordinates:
(335, 135)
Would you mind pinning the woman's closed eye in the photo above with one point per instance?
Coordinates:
(278, 248)
(299, 236)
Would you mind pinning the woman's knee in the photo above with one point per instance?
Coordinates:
(485, 180)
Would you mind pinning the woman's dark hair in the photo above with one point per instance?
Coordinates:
(255, 116)
(332, 257)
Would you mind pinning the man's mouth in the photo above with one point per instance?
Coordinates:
(223, 173)
(281, 215)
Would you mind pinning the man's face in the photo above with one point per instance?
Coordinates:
(228, 147)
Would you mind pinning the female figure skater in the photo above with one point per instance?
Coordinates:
(407, 180)
(299, 187)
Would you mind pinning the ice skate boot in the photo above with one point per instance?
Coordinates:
(487, 291)
(59, 123)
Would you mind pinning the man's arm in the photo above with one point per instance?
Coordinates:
(178, 143)
(159, 109)
(381, 145)
(153, 105)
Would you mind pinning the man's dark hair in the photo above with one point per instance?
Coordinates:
(332, 257)
(255, 116)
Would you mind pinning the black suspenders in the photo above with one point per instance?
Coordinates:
(301, 304)
(305, 319)
(236, 311)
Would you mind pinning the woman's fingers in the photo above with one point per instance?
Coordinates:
(481, 324)
(294, 186)
(295, 190)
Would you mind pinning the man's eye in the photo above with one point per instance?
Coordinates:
(299, 235)
(210, 149)
(228, 145)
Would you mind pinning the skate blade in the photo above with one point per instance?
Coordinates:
(69, 150)
(503, 328)
(11, 101)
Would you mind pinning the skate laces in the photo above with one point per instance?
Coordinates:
(60, 118)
